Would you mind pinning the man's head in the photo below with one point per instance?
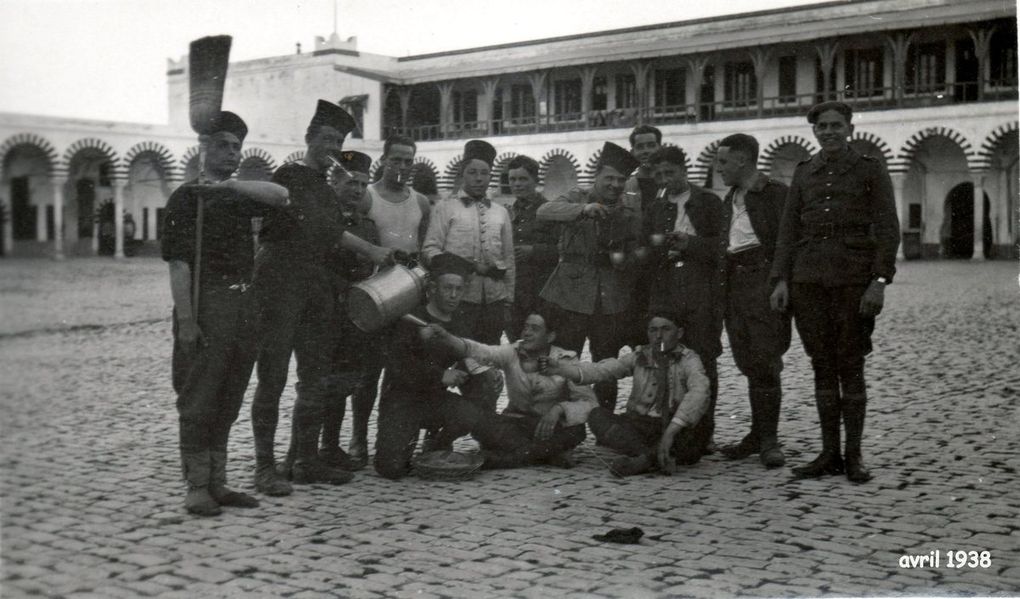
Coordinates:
(644, 140)
(448, 274)
(398, 159)
(476, 169)
(522, 175)
(351, 185)
(665, 329)
(832, 125)
(539, 332)
(223, 145)
(669, 167)
(614, 167)
(737, 158)
(325, 134)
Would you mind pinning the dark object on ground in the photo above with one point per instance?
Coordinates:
(628, 536)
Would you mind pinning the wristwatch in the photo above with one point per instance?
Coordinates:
(882, 280)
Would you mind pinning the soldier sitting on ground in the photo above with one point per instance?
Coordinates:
(546, 413)
(669, 396)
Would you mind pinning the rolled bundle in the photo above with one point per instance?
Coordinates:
(207, 63)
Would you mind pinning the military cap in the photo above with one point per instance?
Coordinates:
(355, 162)
(450, 264)
(229, 122)
(328, 114)
(477, 149)
(618, 158)
(841, 107)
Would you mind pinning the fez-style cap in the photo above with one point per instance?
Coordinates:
(618, 158)
(328, 114)
(450, 264)
(840, 107)
(229, 122)
(355, 162)
(477, 149)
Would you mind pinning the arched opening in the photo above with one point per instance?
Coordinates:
(937, 166)
(1001, 185)
(27, 183)
(785, 159)
(423, 180)
(147, 193)
(254, 168)
(870, 149)
(560, 177)
(89, 184)
(958, 228)
(191, 168)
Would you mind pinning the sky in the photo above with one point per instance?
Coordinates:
(106, 59)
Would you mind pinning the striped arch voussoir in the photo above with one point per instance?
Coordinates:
(424, 163)
(910, 147)
(259, 154)
(766, 158)
(100, 147)
(990, 145)
(187, 157)
(500, 163)
(163, 156)
(296, 156)
(451, 172)
(546, 162)
(30, 140)
(704, 161)
(592, 164)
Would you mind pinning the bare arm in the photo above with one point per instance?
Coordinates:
(375, 253)
(180, 289)
(263, 192)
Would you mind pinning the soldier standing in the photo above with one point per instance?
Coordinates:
(836, 253)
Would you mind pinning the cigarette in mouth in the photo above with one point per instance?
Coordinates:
(400, 177)
(661, 194)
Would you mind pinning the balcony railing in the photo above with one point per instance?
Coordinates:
(879, 98)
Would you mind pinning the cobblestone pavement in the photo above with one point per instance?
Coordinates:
(91, 496)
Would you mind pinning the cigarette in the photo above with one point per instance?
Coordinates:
(662, 347)
(400, 177)
(661, 194)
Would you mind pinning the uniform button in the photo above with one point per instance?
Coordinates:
(826, 209)
(829, 184)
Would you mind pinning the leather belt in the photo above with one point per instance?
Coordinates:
(832, 230)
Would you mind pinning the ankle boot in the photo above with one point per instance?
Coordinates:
(196, 468)
(307, 467)
(769, 401)
(267, 480)
(631, 465)
(357, 450)
(829, 461)
(854, 409)
(751, 443)
(218, 484)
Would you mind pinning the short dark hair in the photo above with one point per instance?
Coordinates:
(525, 162)
(674, 316)
(550, 316)
(840, 107)
(643, 129)
(670, 154)
(398, 140)
(744, 143)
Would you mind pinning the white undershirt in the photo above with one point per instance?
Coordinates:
(742, 235)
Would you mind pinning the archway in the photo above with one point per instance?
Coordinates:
(936, 166)
(26, 181)
(560, 176)
(89, 184)
(254, 168)
(958, 227)
(147, 191)
(784, 159)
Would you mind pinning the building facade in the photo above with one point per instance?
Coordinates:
(933, 84)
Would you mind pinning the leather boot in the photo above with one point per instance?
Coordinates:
(196, 468)
(769, 401)
(751, 443)
(218, 483)
(631, 465)
(854, 409)
(308, 468)
(829, 461)
(267, 480)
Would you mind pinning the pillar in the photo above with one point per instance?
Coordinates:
(902, 206)
(445, 98)
(8, 224)
(489, 86)
(979, 217)
(118, 217)
(827, 58)
(58, 182)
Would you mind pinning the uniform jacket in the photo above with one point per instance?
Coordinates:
(688, 385)
(840, 225)
(479, 230)
(584, 275)
(534, 393)
(542, 235)
(764, 201)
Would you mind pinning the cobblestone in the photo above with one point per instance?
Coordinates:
(92, 492)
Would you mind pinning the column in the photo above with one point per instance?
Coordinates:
(404, 93)
(8, 224)
(979, 217)
(696, 65)
(641, 70)
(489, 86)
(118, 217)
(760, 60)
(587, 83)
(982, 43)
(58, 182)
(902, 208)
(900, 44)
(827, 58)
(445, 97)
(538, 80)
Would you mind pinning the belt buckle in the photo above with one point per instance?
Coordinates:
(828, 230)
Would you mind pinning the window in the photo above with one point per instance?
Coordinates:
(787, 79)
(104, 174)
(670, 87)
(599, 94)
(926, 67)
(522, 102)
(740, 86)
(626, 91)
(1002, 55)
(567, 103)
(863, 72)
(465, 107)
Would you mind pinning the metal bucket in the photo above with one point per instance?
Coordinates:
(385, 296)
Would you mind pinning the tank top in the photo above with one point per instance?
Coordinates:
(397, 222)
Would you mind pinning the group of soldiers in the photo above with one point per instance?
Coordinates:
(643, 258)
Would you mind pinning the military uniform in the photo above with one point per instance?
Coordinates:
(533, 271)
(211, 380)
(685, 281)
(595, 296)
(839, 233)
